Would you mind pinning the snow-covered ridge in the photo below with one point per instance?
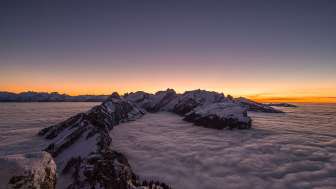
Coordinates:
(183, 103)
(81, 145)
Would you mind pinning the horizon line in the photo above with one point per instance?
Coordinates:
(258, 98)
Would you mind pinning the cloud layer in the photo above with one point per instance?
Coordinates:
(282, 151)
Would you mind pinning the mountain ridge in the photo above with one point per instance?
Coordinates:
(31, 96)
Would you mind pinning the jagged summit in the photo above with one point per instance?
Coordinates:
(181, 104)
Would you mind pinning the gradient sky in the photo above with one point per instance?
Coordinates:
(261, 49)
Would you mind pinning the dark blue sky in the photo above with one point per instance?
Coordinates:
(294, 40)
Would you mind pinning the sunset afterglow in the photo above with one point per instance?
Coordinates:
(165, 94)
(125, 47)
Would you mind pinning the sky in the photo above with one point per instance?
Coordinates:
(271, 49)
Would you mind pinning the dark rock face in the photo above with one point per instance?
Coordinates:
(108, 169)
(23, 171)
(152, 102)
(99, 119)
(220, 116)
(255, 106)
(140, 98)
(161, 99)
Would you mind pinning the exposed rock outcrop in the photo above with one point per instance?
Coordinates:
(140, 98)
(153, 102)
(220, 115)
(255, 106)
(161, 99)
(189, 100)
(25, 171)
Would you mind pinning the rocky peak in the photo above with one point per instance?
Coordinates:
(192, 99)
(161, 99)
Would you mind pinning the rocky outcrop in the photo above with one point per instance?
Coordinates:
(25, 171)
(189, 100)
(255, 106)
(181, 104)
(220, 115)
(81, 147)
(282, 105)
(160, 100)
(140, 98)
(152, 102)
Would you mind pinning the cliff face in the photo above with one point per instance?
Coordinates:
(81, 145)
(220, 116)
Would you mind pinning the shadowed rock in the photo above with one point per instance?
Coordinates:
(220, 116)
(161, 99)
(196, 98)
(152, 102)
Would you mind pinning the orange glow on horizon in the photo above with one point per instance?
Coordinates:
(105, 90)
(303, 99)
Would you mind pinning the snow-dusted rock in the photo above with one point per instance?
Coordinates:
(140, 98)
(255, 106)
(161, 99)
(192, 99)
(26, 171)
(220, 115)
(152, 102)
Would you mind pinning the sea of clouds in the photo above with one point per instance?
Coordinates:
(281, 151)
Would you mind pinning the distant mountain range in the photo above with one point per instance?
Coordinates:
(48, 97)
